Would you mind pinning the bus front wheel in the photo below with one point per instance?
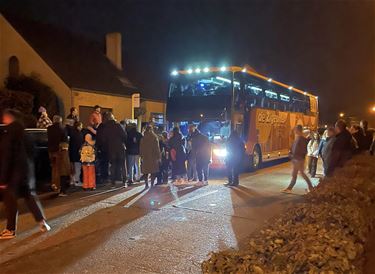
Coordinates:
(256, 158)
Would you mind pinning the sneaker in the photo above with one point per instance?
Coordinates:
(79, 184)
(201, 183)
(287, 191)
(44, 227)
(7, 234)
(54, 187)
(62, 194)
(228, 184)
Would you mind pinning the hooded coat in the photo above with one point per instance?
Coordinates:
(150, 153)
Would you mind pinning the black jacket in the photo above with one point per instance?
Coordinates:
(342, 148)
(235, 149)
(56, 135)
(114, 139)
(75, 142)
(299, 148)
(133, 141)
(15, 156)
(201, 147)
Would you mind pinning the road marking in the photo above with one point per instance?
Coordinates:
(196, 197)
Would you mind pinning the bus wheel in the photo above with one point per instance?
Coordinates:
(256, 158)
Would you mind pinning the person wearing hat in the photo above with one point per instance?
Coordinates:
(44, 121)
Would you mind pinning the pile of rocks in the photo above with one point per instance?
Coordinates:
(326, 233)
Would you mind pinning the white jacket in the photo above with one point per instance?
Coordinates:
(313, 148)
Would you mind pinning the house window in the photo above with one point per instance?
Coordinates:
(14, 66)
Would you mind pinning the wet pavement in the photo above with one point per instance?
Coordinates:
(161, 230)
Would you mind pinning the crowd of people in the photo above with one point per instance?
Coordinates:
(337, 145)
(107, 151)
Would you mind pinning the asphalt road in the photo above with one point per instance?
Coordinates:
(160, 230)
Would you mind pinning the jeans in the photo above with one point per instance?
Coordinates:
(299, 166)
(55, 166)
(118, 168)
(233, 173)
(10, 202)
(202, 170)
(192, 169)
(312, 164)
(77, 172)
(133, 165)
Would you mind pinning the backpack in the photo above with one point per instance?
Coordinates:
(87, 153)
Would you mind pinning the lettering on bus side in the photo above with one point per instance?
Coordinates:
(270, 117)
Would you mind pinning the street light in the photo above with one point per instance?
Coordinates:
(341, 114)
(373, 109)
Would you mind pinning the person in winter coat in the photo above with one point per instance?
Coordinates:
(357, 138)
(73, 115)
(150, 155)
(165, 161)
(88, 158)
(298, 154)
(95, 119)
(235, 154)
(325, 150)
(102, 163)
(342, 148)
(312, 153)
(59, 158)
(44, 121)
(191, 157)
(133, 141)
(17, 173)
(367, 136)
(76, 140)
(178, 156)
(115, 146)
(201, 149)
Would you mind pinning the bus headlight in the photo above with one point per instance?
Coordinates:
(220, 152)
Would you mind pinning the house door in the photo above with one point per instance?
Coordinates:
(84, 113)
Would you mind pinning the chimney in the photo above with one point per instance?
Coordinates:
(113, 48)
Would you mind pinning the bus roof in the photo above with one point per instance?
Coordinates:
(244, 70)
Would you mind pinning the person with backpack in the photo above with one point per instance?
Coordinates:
(88, 157)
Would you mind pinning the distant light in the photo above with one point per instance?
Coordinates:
(198, 70)
(190, 71)
(342, 114)
(305, 93)
(291, 87)
(244, 70)
(269, 80)
(223, 69)
(325, 126)
(201, 84)
(317, 97)
(174, 73)
(201, 115)
(206, 69)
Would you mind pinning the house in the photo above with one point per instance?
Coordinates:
(78, 70)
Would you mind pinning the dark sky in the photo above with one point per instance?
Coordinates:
(327, 47)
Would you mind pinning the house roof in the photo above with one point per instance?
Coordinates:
(79, 62)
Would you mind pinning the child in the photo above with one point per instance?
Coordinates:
(88, 163)
(313, 153)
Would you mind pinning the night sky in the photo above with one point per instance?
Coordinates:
(326, 47)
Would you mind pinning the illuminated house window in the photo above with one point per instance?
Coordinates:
(14, 66)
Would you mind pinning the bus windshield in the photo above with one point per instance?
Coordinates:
(219, 83)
